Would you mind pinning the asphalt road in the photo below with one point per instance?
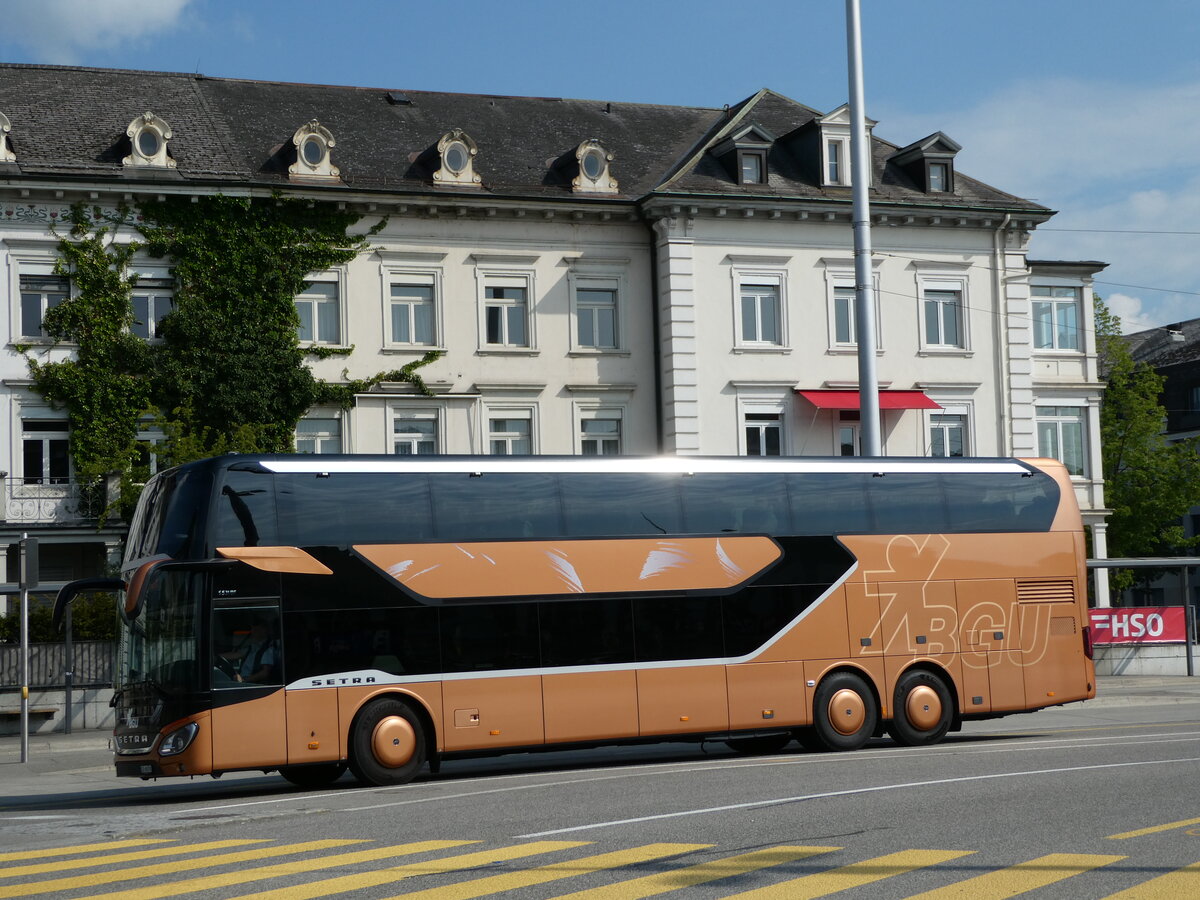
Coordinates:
(1081, 802)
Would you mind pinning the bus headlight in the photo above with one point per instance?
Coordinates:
(178, 740)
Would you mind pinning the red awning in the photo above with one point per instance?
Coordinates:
(887, 400)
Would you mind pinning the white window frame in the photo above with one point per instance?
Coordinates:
(585, 276)
(854, 427)
(318, 436)
(159, 290)
(523, 412)
(148, 433)
(931, 425)
(842, 152)
(414, 278)
(606, 413)
(495, 273)
(748, 276)
(338, 279)
(44, 478)
(427, 413)
(1084, 420)
(839, 275)
(41, 336)
(764, 404)
(1055, 302)
(959, 284)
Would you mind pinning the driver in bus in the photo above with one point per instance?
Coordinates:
(258, 656)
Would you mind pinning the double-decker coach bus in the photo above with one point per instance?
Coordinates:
(309, 613)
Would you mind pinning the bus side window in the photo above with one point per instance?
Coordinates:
(620, 504)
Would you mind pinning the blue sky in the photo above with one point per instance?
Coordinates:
(1091, 107)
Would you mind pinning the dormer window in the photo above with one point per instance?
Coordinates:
(834, 146)
(744, 154)
(148, 137)
(929, 162)
(833, 162)
(456, 154)
(6, 154)
(594, 173)
(314, 145)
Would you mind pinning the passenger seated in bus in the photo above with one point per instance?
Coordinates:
(257, 657)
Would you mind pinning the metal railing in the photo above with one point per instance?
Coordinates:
(93, 665)
(52, 503)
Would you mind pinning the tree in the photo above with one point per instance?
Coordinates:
(1150, 481)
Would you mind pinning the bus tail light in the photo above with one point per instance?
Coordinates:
(1087, 642)
(178, 740)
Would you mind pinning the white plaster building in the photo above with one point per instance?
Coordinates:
(602, 277)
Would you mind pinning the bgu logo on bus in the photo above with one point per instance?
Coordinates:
(1141, 625)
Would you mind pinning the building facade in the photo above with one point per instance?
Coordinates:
(602, 277)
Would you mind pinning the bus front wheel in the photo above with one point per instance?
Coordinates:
(845, 713)
(387, 743)
(922, 709)
(313, 776)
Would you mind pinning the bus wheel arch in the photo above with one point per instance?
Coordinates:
(389, 740)
(923, 707)
(845, 711)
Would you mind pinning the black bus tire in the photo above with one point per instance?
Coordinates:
(313, 776)
(922, 709)
(387, 743)
(759, 745)
(845, 713)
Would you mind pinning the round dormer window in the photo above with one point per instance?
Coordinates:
(148, 143)
(313, 151)
(592, 163)
(456, 157)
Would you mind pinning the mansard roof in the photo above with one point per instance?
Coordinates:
(69, 124)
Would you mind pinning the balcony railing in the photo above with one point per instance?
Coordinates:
(50, 504)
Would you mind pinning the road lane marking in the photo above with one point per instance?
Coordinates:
(276, 870)
(44, 852)
(727, 867)
(397, 873)
(1027, 876)
(180, 865)
(509, 881)
(1183, 882)
(856, 874)
(63, 864)
(849, 792)
(1153, 829)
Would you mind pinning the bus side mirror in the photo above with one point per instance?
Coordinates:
(70, 591)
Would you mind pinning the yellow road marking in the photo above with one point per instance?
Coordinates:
(79, 848)
(1026, 876)
(542, 874)
(180, 865)
(277, 870)
(64, 864)
(660, 883)
(854, 875)
(1154, 829)
(397, 873)
(1183, 883)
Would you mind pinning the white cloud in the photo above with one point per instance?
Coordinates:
(63, 31)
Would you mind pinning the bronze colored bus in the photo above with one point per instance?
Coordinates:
(308, 613)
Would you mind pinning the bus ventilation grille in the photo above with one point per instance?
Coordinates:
(1059, 591)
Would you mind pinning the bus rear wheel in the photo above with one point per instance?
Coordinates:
(387, 743)
(314, 776)
(921, 709)
(845, 713)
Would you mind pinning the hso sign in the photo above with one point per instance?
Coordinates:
(1139, 625)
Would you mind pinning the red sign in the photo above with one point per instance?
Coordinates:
(1139, 625)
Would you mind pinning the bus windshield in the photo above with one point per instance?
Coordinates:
(160, 644)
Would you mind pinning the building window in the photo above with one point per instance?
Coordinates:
(319, 435)
(39, 293)
(834, 162)
(506, 311)
(939, 177)
(414, 433)
(1060, 431)
(844, 327)
(596, 315)
(943, 318)
(45, 451)
(413, 319)
(764, 434)
(1056, 318)
(848, 443)
(600, 436)
(152, 300)
(320, 313)
(752, 165)
(1194, 401)
(947, 435)
(761, 314)
(510, 433)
